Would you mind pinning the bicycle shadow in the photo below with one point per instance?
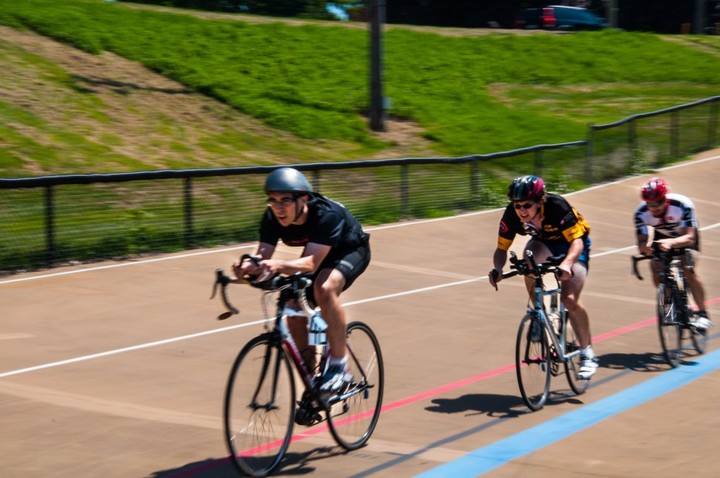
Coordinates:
(648, 362)
(491, 405)
(293, 463)
(208, 468)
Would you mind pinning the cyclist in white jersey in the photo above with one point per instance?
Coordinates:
(674, 224)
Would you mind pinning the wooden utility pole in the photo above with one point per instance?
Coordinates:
(377, 99)
(699, 20)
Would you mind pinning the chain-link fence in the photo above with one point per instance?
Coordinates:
(57, 219)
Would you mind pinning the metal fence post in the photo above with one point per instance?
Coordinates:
(404, 191)
(50, 223)
(188, 200)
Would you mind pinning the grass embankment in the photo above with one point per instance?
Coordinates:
(308, 87)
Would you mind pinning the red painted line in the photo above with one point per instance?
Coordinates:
(435, 391)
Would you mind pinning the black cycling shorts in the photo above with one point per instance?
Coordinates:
(351, 263)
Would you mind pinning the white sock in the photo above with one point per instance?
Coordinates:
(337, 361)
(588, 352)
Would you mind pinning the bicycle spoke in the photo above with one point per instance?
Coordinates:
(259, 407)
(668, 326)
(532, 363)
(353, 417)
(572, 366)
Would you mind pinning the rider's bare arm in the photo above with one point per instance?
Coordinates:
(499, 259)
(311, 259)
(687, 239)
(644, 246)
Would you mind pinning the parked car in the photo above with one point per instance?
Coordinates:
(559, 17)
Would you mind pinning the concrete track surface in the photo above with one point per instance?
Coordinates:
(118, 369)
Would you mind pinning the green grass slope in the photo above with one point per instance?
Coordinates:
(300, 91)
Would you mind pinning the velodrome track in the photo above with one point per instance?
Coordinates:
(118, 369)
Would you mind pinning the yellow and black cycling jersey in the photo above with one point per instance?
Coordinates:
(561, 223)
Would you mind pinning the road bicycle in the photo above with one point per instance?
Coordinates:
(675, 316)
(546, 344)
(260, 406)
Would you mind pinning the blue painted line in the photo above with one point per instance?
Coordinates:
(493, 456)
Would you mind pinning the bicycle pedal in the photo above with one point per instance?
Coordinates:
(307, 417)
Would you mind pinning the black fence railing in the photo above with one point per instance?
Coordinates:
(57, 219)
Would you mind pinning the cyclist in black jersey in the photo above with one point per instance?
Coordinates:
(555, 228)
(674, 224)
(336, 251)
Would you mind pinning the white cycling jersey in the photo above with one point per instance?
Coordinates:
(679, 215)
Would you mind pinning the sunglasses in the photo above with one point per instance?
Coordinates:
(526, 205)
(655, 203)
(282, 202)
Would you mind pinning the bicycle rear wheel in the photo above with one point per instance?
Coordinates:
(352, 419)
(259, 407)
(699, 339)
(532, 362)
(669, 327)
(572, 366)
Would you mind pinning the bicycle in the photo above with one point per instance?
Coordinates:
(545, 338)
(260, 407)
(675, 317)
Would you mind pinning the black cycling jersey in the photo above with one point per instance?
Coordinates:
(561, 224)
(328, 223)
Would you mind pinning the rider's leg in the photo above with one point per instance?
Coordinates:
(697, 287)
(577, 313)
(540, 253)
(298, 326)
(328, 285)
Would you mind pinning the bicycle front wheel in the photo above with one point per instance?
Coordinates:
(259, 407)
(669, 327)
(532, 362)
(352, 418)
(572, 366)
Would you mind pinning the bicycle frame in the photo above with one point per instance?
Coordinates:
(675, 324)
(291, 287)
(538, 308)
(261, 406)
(671, 275)
(538, 353)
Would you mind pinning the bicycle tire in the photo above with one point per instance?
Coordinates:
(532, 363)
(669, 328)
(572, 366)
(353, 419)
(259, 407)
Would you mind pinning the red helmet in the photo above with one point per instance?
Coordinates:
(654, 190)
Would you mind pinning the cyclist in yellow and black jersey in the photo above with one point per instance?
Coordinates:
(556, 229)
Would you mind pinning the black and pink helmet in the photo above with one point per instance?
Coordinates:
(526, 188)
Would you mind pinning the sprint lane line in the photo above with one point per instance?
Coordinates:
(490, 457)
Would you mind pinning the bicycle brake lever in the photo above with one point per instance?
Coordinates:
(222, 280)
